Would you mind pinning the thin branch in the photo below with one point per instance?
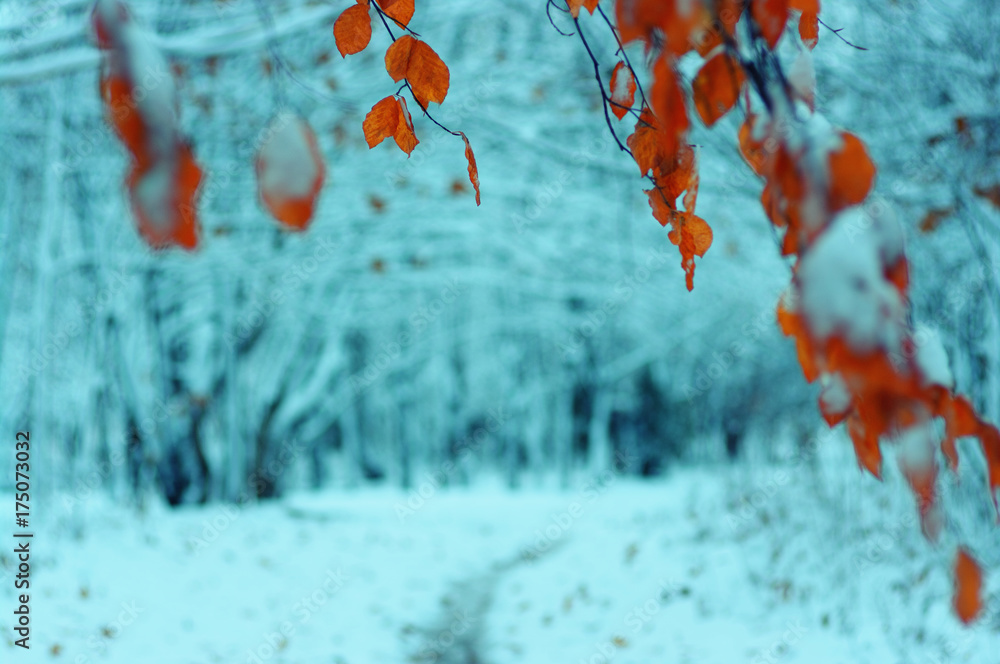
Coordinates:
(548, 12)
(837, 32)
(600, 82)
(621, 49)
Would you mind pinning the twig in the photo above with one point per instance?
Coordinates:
(837, 32)
(600, 82)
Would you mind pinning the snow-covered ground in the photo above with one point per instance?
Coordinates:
(819, 565)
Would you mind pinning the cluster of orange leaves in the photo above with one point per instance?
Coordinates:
(885, 398)
(407, 59)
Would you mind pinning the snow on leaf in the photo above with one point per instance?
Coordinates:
(968, 579)
(473, 169)
(290, 171)
(716, 87)
(417, 62)
(400, 11)
(353, 30)
(809, 29)
(622, 90)
(163, 179)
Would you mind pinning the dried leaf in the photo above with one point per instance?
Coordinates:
(716, 88)
(852, 173)
(352, 30)
(473, 169)
(381, 122)
(622, 90)
(575, 5)
(968, 578)
(417, 62)
(770, 16)
(400, 11)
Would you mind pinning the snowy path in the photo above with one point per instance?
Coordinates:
(673, 571)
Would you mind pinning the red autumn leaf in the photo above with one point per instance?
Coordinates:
(669, 107)
(716, 88)
(694, 237)
(645, 19)
(809, 29)
(417, 62)
(643, 142)
(575, 5)
(400, 11)
(968, 577)
(676, 174)
(770, 16)
(389, 118)
(404, 136)
(852, 173)
(473, 169)
(622, 90)
(381, 122)
(290, 171)
(728, 13)
(353, 30)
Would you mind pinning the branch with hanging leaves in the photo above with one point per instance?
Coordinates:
(408, 59)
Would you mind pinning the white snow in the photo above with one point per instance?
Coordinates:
(843, 288)
(803, 562)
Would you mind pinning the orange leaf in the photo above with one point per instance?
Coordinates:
(804, 5)
(290, 171)
(473, 170)
(645, 142)
(809, 29)
(728, 13)
(352, 30)
(852, 173)
(574, 6)
(694, 237)
(417, 62)
(668, 104)
(382, 121)
(622, 90)
(967, 601)
(643, 19)
(390, 117)
(404, 136)
(400, 11)
(770, 16)
(716, 88)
